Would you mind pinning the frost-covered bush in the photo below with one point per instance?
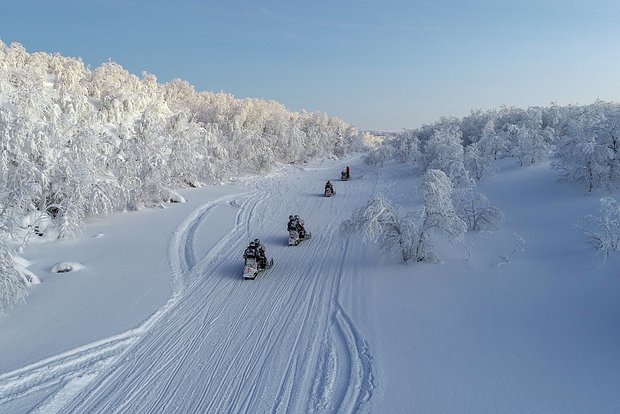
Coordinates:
(478, 161)
(603, 232)
(444, 152)
(409, 233)
(518, 247)
(439, 213)
(12, 286)
(381, 221)
(477, 212)
(379, 156)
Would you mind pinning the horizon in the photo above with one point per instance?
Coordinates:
(382, 67)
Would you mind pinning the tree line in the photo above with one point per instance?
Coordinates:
(76, 142)
(453, 154)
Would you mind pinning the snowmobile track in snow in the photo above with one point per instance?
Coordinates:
(282, 344)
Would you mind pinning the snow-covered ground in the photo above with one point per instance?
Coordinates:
(157, 317)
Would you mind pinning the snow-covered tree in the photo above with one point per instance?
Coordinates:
(588, 151)
(490, 144)
(475, 209)
(604, 124)
(444, 152)
(409, 233)
(477, 161)
(439, 212)
(409, 147)
(528, 145)
(381, 155)
(584, 161)
(473, 126)
(603, 232)
(379, 220)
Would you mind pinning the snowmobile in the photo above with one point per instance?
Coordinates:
(252, 267)
(344, 176)
(329, 191)
(294, 237)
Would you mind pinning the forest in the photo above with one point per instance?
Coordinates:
(453, 154)
(79, 143)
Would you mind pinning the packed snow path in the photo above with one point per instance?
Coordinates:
(281, 343)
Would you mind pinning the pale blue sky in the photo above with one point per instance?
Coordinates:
(386, 64)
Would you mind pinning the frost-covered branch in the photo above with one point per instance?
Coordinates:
(518, 247)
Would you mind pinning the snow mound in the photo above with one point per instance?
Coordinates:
(26, 275)
(65, 267)
(175, 197)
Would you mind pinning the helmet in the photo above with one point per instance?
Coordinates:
(296, 216)
(252, 244)
(328, 182)
(256, 242)
(290, 217)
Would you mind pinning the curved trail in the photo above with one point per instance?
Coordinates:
(281, 343)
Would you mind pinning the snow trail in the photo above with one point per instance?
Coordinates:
(282, 343)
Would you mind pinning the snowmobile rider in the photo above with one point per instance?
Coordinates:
(260, 250)
(296, 224)
(300, 227)
(250, 251)
(292, 223)
(328, 184)
(348, 172)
